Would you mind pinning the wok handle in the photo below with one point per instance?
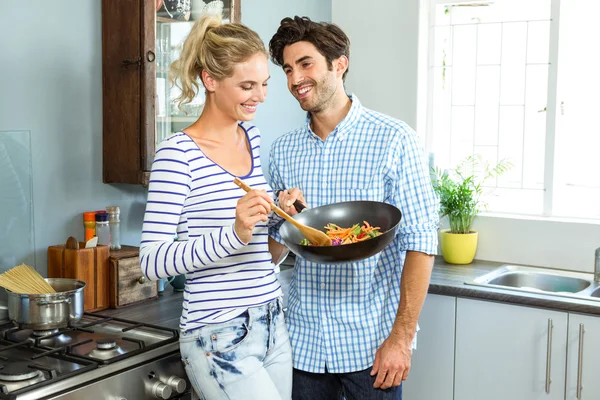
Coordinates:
(49, 302)
(297, 204)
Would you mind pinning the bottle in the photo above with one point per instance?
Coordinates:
(89, 224)
(114, 222)
(102, 229)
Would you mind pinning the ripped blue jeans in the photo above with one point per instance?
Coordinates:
(248, 358)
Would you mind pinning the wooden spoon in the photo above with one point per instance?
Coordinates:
(72, 243)
(313, 235)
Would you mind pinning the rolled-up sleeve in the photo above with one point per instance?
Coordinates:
(414, 196)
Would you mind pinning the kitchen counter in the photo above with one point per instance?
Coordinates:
(447, 279)
(163, 311)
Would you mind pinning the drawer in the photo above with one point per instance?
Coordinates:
(128, 285)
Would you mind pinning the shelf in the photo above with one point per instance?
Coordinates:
(179, 118)
(168, 20)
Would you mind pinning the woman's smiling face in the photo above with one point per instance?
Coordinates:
(239, 95)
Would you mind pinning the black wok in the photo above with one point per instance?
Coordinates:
(346, 214)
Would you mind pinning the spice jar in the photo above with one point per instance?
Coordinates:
(114, 222)
(102, 229)
(89, 225)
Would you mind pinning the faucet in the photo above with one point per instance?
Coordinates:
(597, 265)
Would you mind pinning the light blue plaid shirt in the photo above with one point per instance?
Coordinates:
(340, 314)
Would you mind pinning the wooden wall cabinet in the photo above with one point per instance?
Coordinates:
(138, 45)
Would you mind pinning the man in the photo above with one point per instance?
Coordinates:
(352, 326)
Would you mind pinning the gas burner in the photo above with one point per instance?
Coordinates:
(106, 349)
(19, 374)
(106, 344)
(18, 371)
(51, 340)
(37, 334)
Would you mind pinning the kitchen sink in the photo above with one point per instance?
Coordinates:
(541, 280)
(596, 293)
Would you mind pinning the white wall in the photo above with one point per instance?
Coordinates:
(280, 113)
(383, 53)
(384, 75)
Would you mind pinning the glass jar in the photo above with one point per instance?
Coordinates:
(102, 229)
(114, 222)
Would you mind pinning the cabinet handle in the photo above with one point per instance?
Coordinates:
(549, 355)
(580, 361)
(141, 280)
(150, 56)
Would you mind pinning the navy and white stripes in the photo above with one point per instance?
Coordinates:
(193, 200)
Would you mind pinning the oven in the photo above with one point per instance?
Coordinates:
(98, 358)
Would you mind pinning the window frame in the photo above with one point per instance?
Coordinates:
(425, 106)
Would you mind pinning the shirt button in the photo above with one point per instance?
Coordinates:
(322, 286)
(324, 185)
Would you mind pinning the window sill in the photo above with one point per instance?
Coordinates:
(550, 242)
(539, 218)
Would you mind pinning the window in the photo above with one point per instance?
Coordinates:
(518, 80)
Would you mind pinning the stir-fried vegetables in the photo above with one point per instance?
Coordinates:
(354, 234)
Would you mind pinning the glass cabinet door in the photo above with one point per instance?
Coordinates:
(174, 20)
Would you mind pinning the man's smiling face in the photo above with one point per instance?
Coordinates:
(310, 80)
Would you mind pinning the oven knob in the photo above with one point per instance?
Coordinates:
(177, 384)
(161, 391)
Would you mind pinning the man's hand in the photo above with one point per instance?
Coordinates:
(392, 362)
(287, 199)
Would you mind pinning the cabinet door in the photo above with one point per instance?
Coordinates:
(584, 348)
(509, 352)
(432, 370)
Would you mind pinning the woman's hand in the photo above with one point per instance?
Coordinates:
(252, 208)
(287, 199)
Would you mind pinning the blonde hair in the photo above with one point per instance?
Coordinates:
(213, 47)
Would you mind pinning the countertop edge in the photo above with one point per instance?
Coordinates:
(449, 280)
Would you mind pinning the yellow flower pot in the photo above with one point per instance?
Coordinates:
(458, 248)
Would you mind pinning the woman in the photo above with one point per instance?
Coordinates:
(233, 343)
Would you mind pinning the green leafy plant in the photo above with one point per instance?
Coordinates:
(461, 188)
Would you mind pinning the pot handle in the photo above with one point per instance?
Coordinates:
(48, 302)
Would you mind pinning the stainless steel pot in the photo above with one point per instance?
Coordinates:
(48, 311)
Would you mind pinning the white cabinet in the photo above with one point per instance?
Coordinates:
(432, 369)
(509, 352)
(584, 335)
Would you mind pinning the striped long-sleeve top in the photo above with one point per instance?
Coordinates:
(193, 199)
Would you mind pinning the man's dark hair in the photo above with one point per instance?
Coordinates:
(328, 38)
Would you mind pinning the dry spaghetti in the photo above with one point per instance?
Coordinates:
(354, 234)
(23, 279)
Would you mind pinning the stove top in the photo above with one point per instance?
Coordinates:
(32, 359)
(24, 367)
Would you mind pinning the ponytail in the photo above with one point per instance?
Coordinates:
(187, 70)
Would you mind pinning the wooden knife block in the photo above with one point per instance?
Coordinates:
(88, 265)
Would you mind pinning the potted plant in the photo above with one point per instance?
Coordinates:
(460, 191)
